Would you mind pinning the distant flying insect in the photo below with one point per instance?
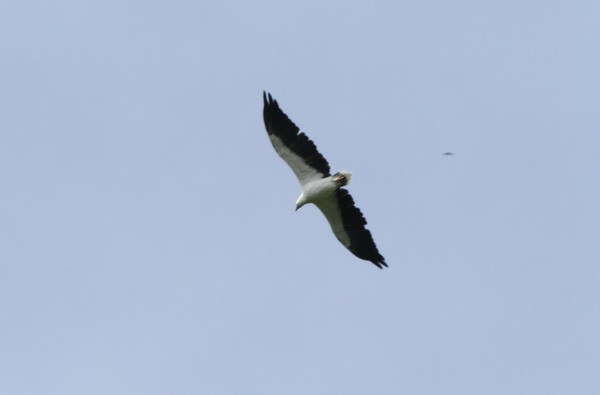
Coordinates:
(318, 185)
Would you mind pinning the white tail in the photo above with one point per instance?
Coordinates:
(343, 177)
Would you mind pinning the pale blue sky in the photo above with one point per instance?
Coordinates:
(148, 239)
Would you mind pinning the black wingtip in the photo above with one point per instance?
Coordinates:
(268, 99)
(379, 262)
(272, 113)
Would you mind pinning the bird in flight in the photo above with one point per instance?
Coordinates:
(318, 185)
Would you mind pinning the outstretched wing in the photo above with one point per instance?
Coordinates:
(293, 146)
(348, 225)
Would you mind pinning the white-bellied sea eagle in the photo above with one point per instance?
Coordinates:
(318, 185)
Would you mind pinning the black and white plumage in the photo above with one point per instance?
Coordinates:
(318, 185)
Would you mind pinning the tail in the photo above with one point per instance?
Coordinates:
(342, 177)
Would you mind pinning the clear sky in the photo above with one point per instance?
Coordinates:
(148, 239)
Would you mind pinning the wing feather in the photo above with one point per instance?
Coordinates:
(293, 146)
(348, 224)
